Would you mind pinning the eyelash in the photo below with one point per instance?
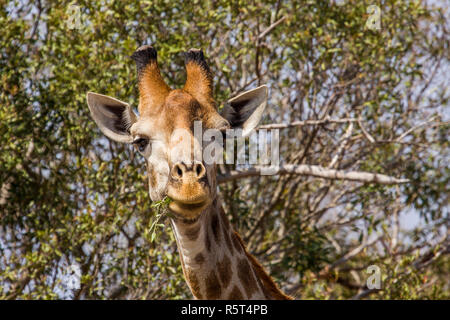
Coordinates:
(141, 144)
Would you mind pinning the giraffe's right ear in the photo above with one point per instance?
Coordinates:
(245, 110)
(113, 117)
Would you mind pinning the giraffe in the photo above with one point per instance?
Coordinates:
(215, 261)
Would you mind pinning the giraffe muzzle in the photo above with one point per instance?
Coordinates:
(189, 189)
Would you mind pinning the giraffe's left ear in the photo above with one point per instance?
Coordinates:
(113, 117)
(245, 110)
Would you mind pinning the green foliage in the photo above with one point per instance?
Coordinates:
(68, 195)
(161, 209)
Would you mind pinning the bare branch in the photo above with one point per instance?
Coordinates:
(353, 253)
(315, 171)
(304, 123)
(364, 131)
(414, 128)
(270, 28)
(341, 147)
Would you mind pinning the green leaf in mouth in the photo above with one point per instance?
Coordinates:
(161, 210)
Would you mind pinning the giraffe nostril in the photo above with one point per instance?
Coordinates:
(181, 171)
(177, 171)
(199, 170)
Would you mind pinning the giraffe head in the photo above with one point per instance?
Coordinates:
(164, 130)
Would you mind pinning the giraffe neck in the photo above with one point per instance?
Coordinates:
(215, 262)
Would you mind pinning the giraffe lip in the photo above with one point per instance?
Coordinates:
(190, 201)
(187, 210)
(185, 198)
(190, 205)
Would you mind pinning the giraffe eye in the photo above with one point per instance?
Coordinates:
(141, 143)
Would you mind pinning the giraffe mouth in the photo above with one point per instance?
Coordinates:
(188, 199)
(188, 210)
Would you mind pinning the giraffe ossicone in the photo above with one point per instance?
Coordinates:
(215, 262)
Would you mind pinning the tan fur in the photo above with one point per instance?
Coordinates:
(199, 84)
(152, 89)
(226, 230)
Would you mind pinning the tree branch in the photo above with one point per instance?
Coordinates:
(270, 28)
(416, 127)
(304, 123)
(315, 171)
(341, 147)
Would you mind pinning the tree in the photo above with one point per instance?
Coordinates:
(348, 96)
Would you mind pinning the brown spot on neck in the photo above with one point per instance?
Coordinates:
(235, 294)
(224, 268)
(213, 290)
(193, 283)
(247, 277)
(207, 242)
(199, 258)
(215, 227)
(193, 232)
